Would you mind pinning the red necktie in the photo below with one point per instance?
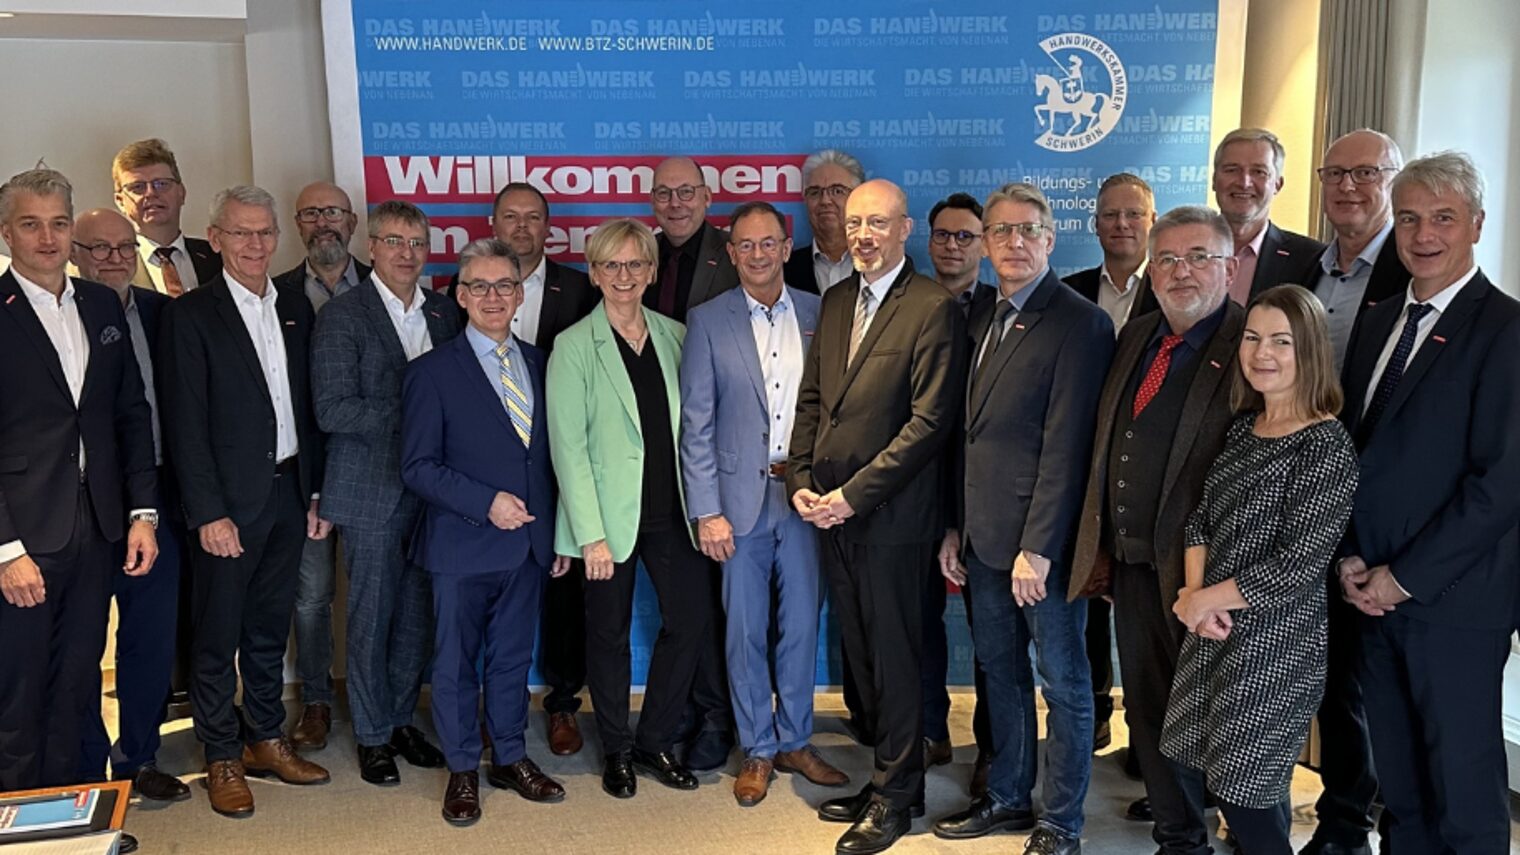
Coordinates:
(172, 284)
(1156, 375)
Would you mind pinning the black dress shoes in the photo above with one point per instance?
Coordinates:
(852, 808)
(156, 786)
(528, 780)
(1317, 846)
(876, 830)
(414, 748)
(709, 750)
(126, 845)
(461, 801)
(377, 765)
(1047, 842)
(982, 818)
(1139, 810)
(663, 766)
(618, 780)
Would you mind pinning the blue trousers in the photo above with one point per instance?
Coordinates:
(779, 553)
(495, 614)
(390, 629)
(1002, 633)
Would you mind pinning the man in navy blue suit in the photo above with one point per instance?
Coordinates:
(76, 477)
(474, 450)
(1432, 384)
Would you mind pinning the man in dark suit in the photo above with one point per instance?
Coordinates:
(1126, 213)
(828, 176)
(1039, 357)
(105, 251)
(877, 404)
(1248, 173)
(474, 447)
(1149, 462)
(363, 341)
(325, 221)
(150, 192)
(248, 455)
(1359, 269)
(1433, 396)
(554, 297)
(694, 262)
(76, 477)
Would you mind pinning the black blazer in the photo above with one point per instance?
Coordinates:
(798, 270)
(295, 277)
(1206, 417)
(41, 428)
(1029, 425)
(218, 418)
(568, 297)
(150, 307)
(1389, 277)
(1438, 498)
(1284, 256)
(874, 427)
(1086, 282)
(205, 260)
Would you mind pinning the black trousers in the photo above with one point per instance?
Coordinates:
(936, 668)
(50, 659)
(711, 709)
(878, 593)
(1260, 831)
(1346, 768)
(562, 642)
(1100, 658)
(242, 614)
(1150, 639)
(684, 588)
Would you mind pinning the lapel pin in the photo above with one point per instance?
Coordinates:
(1017, 325)
(1283, 252)
(290, 323)
(1215, 363)
(712, 262)
(1438, 339)
(10, 299)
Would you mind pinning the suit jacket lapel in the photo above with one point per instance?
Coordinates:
(1268, 261)
(548, 311)
(1371, 333)
(612, 360)
(669, 351)
(707, 266)
(14, 301)
(1448, 325)
(1214, 367)
(469, 367)
(879, 324)
(534, 368)
(1023, 321)
(739, 327)
(436, 311)
(227, 310)
(380, 319)
(95, 327)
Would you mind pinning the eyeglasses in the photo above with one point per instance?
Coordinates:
(685, 193)
(1195, 260)
(1359, 174)
(102, 251)
(244, 235)
(139, 189)
(1003, 232)
(767, 245)
(963, 238)
(397, 241)
(834, 191)
(879, 225)
(1131, 216)
(610, 269)
(501, 287)
(331, 213)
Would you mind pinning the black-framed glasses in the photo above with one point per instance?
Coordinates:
(963, 238)
(767, 245)
(611, 269)
(139, 189)
(397, 241)
(1004, 232)
(834, 191)
(1195, 260)
(1359, 174)
(501, 287)
(331, 213)
(102, 251)
(686, 192)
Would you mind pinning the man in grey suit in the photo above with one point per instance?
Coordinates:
(694, 262)
(363, 341)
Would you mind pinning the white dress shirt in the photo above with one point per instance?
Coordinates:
(408, 321)
(263, 325)
(525, 320)
(1440, 302)
(1117, 302)
(878, 290)
(146, 247)
(778, 343)
(827, 273)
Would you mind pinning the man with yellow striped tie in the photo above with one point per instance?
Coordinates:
(475, 448)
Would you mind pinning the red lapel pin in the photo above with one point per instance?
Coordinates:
(1283, 252)
(1017, 325)
(290, 323)
(712, 262)
(1438, 339)
(10, 299)
(1215, 364)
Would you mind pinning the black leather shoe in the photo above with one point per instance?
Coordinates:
(156, 786)
(851, 808)
(1139, 810)
(377, 765)
(982, 818)
(1047, 842)
(618, 779)
(1327, 847)
(876, 830)
(461, 801)
(1103, 736)
(709, 750)
(127, 844)
(414, 748)
(664, 768)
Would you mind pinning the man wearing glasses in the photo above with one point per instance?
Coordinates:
(828, 176)
(1248, 174)
(694, 262)
(363, 341)
(325, 220)
(1120, 286)
(151, 194)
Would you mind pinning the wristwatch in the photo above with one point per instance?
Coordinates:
(149, 517)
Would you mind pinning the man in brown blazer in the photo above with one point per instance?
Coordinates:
(1162, 419)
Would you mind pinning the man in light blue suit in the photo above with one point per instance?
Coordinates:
(740, 372)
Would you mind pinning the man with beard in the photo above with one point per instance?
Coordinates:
(325, 220)
(828, 176)
(150, 192)
(1248, 175)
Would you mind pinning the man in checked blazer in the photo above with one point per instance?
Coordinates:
(363, 341)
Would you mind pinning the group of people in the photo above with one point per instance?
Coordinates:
(1281, 465)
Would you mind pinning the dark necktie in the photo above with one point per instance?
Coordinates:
(1156, 374)
(173, 286)
(989, 353)
(668, 278)
(1393, 372)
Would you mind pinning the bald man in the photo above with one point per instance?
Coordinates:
(694, 262)
(105, 251)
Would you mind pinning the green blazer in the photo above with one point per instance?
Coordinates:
(595, 439)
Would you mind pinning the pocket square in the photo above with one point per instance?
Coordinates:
(110, 335)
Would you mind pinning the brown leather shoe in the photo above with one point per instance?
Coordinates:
(310, 733)
(937, 752)
(461, 801)
(277, 757)
(564, 733)
(527, 779)
(754, 781)
(229, 791)
(807, 762)
(979, 775)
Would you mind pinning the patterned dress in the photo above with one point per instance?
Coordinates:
(1272, 513)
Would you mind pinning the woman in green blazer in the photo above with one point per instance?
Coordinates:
(614, 407)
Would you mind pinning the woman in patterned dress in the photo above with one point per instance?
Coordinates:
(1251, 673)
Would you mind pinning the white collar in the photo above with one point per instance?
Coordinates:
(390, 298)
(242, 294)
(37, 294)
(880, 287)
(1443, 297)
